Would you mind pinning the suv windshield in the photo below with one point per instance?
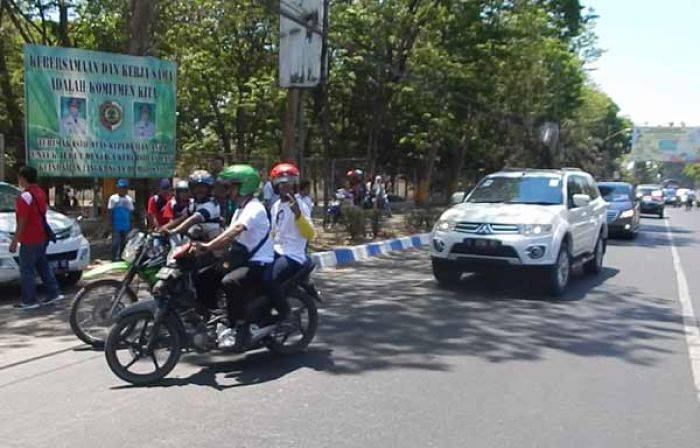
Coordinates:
(615, 193)
(541, 190)
(8, 195)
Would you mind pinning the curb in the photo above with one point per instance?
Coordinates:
(352, 254)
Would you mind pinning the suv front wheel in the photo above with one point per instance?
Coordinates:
(558, 275)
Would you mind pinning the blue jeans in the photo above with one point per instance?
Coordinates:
(118, 242)
(32, 259)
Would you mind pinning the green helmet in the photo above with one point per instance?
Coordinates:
(244, 175)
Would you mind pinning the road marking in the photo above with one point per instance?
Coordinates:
(690, 323)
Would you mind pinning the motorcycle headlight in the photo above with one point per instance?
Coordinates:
(132, 247)
(445, 225)
(75, 231)
(627, 214)
(535, 229)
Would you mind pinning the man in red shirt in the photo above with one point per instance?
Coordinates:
(31, 234)
(156, 206)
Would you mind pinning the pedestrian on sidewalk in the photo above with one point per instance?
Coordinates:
(121, 208)
(33, 234)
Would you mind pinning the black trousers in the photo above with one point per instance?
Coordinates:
(240, 286)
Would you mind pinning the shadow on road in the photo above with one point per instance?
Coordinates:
(254, 368)
(408, 322)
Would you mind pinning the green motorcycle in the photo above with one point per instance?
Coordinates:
(96, 305)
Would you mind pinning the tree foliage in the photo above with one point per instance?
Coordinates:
(440, 90)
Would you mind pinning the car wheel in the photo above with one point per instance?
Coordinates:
(69, 279)
(445, 274)
(595, 266)
(561, 271)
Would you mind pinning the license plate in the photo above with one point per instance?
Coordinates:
(482, 243)
(61, 265)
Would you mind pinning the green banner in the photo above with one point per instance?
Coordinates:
(93, 114)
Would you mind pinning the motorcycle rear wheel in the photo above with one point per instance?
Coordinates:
(126, 346)
(305, 316)
(88, 312)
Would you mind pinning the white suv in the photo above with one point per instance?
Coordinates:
(551, 220)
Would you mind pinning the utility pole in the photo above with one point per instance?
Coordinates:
(325, 112)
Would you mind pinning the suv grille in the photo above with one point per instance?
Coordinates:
(486, 228)
(612, 215)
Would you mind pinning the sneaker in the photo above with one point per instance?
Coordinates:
(226, 339)
(26, 307)
(56, 299)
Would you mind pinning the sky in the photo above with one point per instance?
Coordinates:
(651, 64)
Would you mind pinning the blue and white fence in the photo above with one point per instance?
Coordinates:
(352, 254)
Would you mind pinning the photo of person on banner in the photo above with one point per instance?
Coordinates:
(144, 126)
(73, 122)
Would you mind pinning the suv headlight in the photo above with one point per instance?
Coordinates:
(445, 225)
(535, 229)
(75, 231)
(627, 214)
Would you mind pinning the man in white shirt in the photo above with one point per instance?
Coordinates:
(250, 227)
(73, 125)
(292, 230)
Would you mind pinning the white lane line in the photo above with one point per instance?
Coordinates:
(690, 323)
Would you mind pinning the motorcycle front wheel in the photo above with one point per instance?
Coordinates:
(90, 316)
(128, 355)
(305, 321)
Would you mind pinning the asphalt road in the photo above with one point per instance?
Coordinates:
(401, 362)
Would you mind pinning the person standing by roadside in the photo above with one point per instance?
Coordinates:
(120, 207)
(156, 205)
(33, 237)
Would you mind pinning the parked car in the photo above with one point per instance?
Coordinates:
(69, 255)
(624, 208)
(652, 200)
(547, 220)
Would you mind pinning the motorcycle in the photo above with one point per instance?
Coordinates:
(148, 338)
(96, 304)
(333, 211)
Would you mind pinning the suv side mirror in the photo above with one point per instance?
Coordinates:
(457, 198)
(581, 200)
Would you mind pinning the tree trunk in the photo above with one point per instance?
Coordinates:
(422, 192)
(456, 167)
(141, 25)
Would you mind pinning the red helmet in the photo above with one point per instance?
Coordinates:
(284, 172)
(355, 174)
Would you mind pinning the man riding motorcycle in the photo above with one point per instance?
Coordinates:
(203, 210)
(292, 230)
(177, 207)
(249, 242)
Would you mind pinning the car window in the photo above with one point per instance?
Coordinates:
(616, 192)
(8, 196)
(572, 187)
(591, 189)
(529, 189)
